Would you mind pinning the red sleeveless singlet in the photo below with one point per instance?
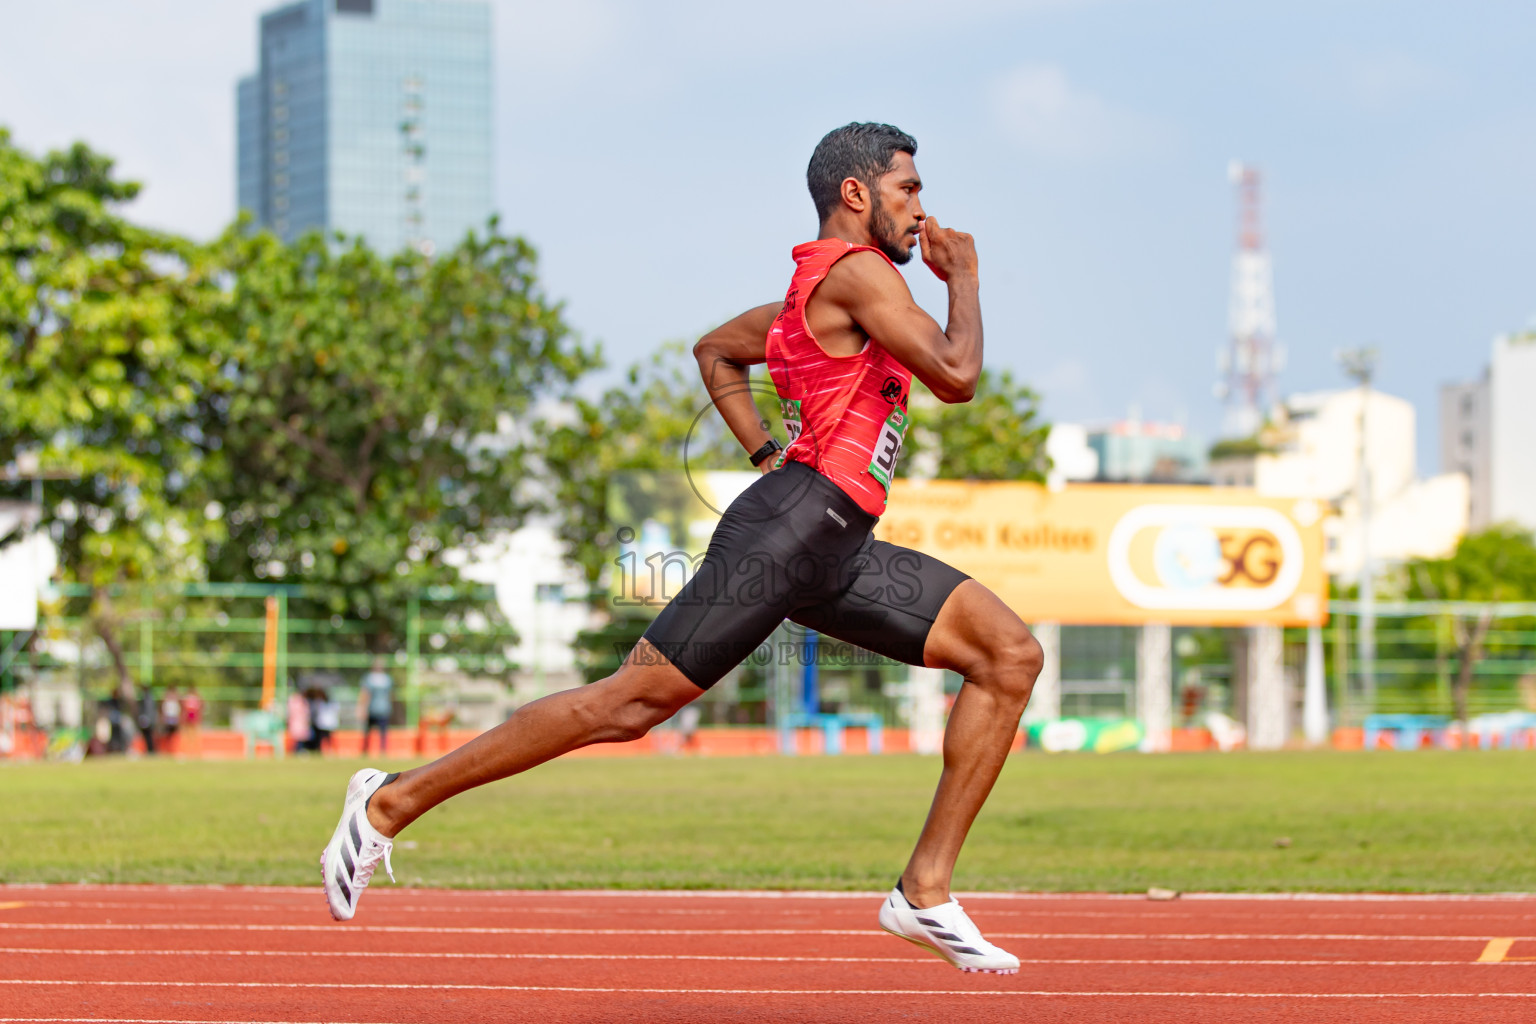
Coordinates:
(846, 415)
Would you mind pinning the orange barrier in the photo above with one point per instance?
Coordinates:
(20, 739)
(1455, 739)
(1183, 741)
(404, 744)
(1352, 738)
(26, 745)
(437, 722)
(434, 739)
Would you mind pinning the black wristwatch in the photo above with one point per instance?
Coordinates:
(769, 447)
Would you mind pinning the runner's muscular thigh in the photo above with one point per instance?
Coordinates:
(972, 629)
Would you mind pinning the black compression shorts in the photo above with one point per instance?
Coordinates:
(794, 545)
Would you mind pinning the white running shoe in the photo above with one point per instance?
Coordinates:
(946, 931)
(356, 847)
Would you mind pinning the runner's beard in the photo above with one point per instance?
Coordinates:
(882, 228)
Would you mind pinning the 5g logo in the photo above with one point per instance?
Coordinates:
(1250, 557)
(1205, 557)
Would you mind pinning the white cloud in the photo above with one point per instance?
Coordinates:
(1370, 81)
(1040, 109)
(1380, 81)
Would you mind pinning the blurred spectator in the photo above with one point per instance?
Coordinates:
(170, 718)
(101, 734)
(301, 732)
(119, 712)
(7, 725)
(313, 695)
(324, 719)
(147, 717)
(192, 722)
(688, 727)
(1191, 699)
(375, 703)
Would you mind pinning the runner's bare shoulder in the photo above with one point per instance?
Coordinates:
(861, 277)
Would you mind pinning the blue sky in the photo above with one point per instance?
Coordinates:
(655, 155)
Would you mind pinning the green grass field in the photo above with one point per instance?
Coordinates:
(1426, 821)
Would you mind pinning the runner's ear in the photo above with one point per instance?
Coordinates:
(855, 195)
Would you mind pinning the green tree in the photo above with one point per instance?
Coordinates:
(106, 344)
(1496, 564)
(658, 418)
(371, 415)
(997, 435)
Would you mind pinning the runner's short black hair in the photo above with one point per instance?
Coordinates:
(857, 150)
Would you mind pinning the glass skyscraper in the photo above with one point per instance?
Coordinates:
(370, 117)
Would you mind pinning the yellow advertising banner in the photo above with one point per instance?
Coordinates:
(1123, 554)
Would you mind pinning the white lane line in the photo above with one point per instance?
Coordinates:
(615, 957)
(888, 992)
(1151, 913)
(427, 908)
(445, 930)
(612, 957)
(282, 890)
(150, 1020)
(1361, 897)
(784, 894)
(260, 908)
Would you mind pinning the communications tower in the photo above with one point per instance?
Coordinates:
(1253, 359)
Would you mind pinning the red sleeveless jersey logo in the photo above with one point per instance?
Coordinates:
(846, 415)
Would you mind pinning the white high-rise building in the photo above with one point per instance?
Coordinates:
(1312, 450)
(1488, 432)
(370, 117)
(1071, 456)
(1512, 410)
(1466, 427)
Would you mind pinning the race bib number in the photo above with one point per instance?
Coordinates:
(888, 447)
(790, 410)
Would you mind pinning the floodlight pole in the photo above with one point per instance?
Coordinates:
(1360, 365)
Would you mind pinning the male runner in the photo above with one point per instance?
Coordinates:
(842, 349)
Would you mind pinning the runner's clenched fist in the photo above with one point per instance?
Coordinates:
(947, 251)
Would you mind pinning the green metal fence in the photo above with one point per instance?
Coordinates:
(1417, 659)
(213, 637)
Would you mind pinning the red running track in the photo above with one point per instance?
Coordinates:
(138, 953)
